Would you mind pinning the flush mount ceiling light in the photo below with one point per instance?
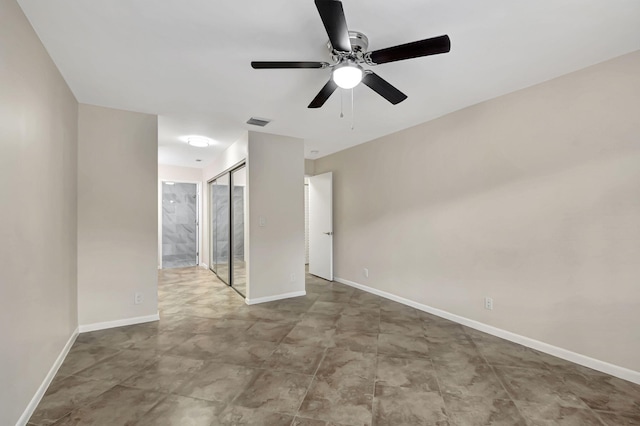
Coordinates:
(347, 75)
(198, 141)
(169, 183)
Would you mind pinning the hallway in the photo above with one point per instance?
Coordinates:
(338, 356)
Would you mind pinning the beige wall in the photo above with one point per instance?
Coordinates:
(532, 198)
(178, 174)
(38, 141)
(309, 167)
(276, 193)
(117, 214)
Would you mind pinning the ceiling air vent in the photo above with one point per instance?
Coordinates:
(258, 121)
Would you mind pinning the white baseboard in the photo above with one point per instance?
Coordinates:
(595, 364)
(204, 265)
(276, 297)
(33, 404)
(118, 323)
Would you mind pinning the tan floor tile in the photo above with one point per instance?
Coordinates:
(537, 386)
(66, 394)
(117, 406)
(311, 336)
(473, 410)
(165, 375)
(121, 366)
(339, 363)
(182, 411)
(82, 356)
(345, 401)
(605, 393)
(275, 391)
(414, 373)
(295, 359)
(270, 331)
(217, 382)
(240, 416)
(402, 346)
(357, 341)
(616, 419)
(396, 406)
(504, 353)
(469, 379)
(556, 414)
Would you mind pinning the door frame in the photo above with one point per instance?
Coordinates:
(198, 217)
(330, 232)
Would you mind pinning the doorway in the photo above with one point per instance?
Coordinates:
(321, 225)
(179, 225)
(227, 223)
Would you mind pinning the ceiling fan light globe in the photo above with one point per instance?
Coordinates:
(347, 76)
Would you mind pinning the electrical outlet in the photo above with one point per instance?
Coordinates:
(365, 271)
(262, 221)
(488, 303)
(292, 277)
(137, 298)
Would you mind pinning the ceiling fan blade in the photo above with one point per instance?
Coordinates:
(324, 94)
(383, 88)
(430, 46)
(332, 16)
(286, 64)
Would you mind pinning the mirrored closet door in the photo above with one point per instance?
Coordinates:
(227, 231)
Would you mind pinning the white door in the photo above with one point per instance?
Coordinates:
(321, 226)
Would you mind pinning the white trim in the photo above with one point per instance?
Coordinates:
(119, 323)
(33, 404)
(204, 265)
(605, 367)
(276, 297)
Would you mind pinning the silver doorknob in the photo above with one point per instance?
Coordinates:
(328, 233)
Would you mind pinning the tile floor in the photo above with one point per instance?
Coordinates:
(178, 263)
(338, 356)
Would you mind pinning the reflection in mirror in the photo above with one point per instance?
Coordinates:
(238, 278)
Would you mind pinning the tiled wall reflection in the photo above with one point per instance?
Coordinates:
(238, 223)
(220, 226)
(179, 216)
(221, 233)
(221, 249)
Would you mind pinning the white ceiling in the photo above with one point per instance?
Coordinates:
(189, 60)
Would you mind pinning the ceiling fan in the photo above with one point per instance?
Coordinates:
(349, 50)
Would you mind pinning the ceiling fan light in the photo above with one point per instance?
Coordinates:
(347, 76)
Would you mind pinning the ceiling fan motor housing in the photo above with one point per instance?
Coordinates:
(359, 45)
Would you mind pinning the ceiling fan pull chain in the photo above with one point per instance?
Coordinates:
(353, 119)
(341, 99)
